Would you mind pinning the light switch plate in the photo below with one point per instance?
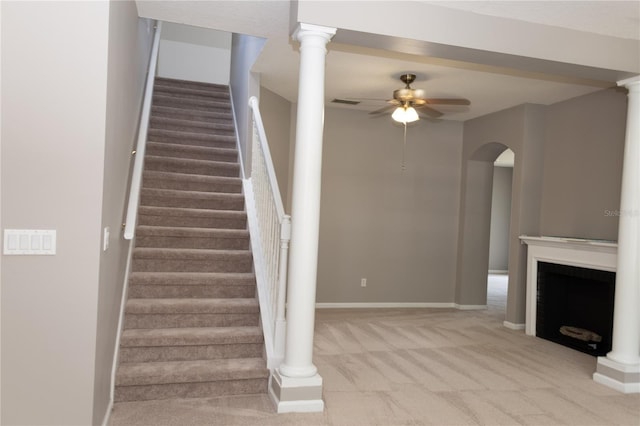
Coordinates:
(29, 242)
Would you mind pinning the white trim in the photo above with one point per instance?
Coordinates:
(583, 253)
(513, 325)
(305, 406)
(366, 305)
(616, 385)
(470, 307)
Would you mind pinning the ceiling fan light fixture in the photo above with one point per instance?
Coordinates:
(405, 114)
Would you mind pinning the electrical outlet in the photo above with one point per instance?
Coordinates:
(363, 282)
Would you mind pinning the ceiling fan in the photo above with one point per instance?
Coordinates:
(410, 104)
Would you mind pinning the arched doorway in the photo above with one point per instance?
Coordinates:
(498, 274)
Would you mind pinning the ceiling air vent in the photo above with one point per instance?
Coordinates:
(345, 102)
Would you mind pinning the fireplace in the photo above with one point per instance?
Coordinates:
(574, 279)
(574, 307)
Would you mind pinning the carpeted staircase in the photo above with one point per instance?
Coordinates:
(191, 326)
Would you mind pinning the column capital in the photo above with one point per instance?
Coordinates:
(630, 82)
(304, 29)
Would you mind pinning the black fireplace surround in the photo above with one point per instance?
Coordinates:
(575, 307)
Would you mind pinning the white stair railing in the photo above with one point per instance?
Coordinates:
(138, 163)
(270, 234)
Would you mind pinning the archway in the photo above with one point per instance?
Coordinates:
(497, 280)
(475, 224)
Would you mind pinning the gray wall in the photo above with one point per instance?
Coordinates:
(522, 130)
(397, 229)
(69, 106)
(194, 53)
(583, 166)
(500, 215)
(130, 41)
(244, 52)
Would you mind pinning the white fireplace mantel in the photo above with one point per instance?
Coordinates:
(583, 253)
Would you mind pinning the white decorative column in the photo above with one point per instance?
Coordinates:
(296, 385)
(620, 369)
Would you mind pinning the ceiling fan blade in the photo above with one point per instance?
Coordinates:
(383, 109)
(432, 113)
(447, 101)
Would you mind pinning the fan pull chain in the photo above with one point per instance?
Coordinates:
(404, 146)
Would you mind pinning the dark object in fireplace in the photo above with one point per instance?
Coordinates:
(575, 307)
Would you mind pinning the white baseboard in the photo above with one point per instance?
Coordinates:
(378, 305)
(401, 305)
(616, 385)
(470, 307)
(513, 325)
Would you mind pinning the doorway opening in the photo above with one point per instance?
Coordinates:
(498, 275)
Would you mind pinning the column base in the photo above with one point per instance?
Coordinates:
(624, 378)
(296, 395)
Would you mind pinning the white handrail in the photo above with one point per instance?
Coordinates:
(138, 165)
(273, 229)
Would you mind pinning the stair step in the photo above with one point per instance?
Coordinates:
(191, 199)
(199, 218)
(188, 182)
(203, 104)
(163, 149)
(190, 166)
(191, 320)
(191, 260)
(165, 111)
(173, 82)
(193, 336)
(191, 284)
(191, 306)
(208, 127)
(184, 344)
(190, 312)
(200, 238)
(189, 138)
(195, 92)
(189, 379)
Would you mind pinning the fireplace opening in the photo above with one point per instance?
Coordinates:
(575, 307)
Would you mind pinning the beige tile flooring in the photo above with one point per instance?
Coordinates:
(423, 367)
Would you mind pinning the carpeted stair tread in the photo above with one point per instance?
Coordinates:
(194, 199)
(193, 336)
(191, 138)
(171, 100)
(191, 166)
(145, 230)
(205, 92)
(151, 373)
(190, 182)
(175, 82)
(195, 126)
(192, 278)
(176, 285)
(167, 111)
(201, 254)
(192, 260)
(192, 306)
(163, 149)
(190, 217)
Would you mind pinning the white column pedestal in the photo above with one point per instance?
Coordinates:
(620, 369)
(296, 385)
